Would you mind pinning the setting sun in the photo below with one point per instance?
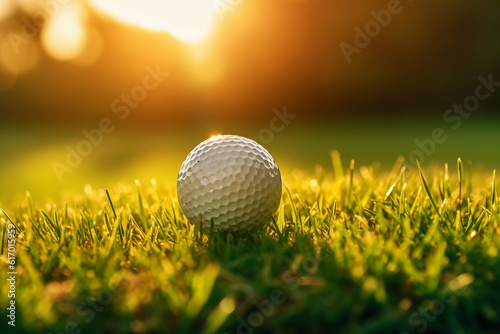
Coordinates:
(188, 20)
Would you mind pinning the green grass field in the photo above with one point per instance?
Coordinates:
(351, 250)
(383, 117)
(145, 152)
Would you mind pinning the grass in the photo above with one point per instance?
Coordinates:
(349, 251)
(145, 152)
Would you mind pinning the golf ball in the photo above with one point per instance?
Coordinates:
(231, 180)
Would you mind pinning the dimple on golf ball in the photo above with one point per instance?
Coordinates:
(230, 180)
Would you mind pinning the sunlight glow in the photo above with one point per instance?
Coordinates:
(64, 37)
(188, 20)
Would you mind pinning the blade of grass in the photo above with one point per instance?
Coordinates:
(427, 190)
(460, 169)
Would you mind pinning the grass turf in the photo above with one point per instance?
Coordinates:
(356, 251)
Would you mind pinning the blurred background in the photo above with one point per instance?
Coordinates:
(101, 91)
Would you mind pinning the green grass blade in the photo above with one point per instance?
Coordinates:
(427, 190)
(460, 169)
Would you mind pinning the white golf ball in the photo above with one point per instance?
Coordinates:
(231, 180)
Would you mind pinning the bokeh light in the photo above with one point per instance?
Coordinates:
(93, 49)
(18, 60)
(64, 37)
